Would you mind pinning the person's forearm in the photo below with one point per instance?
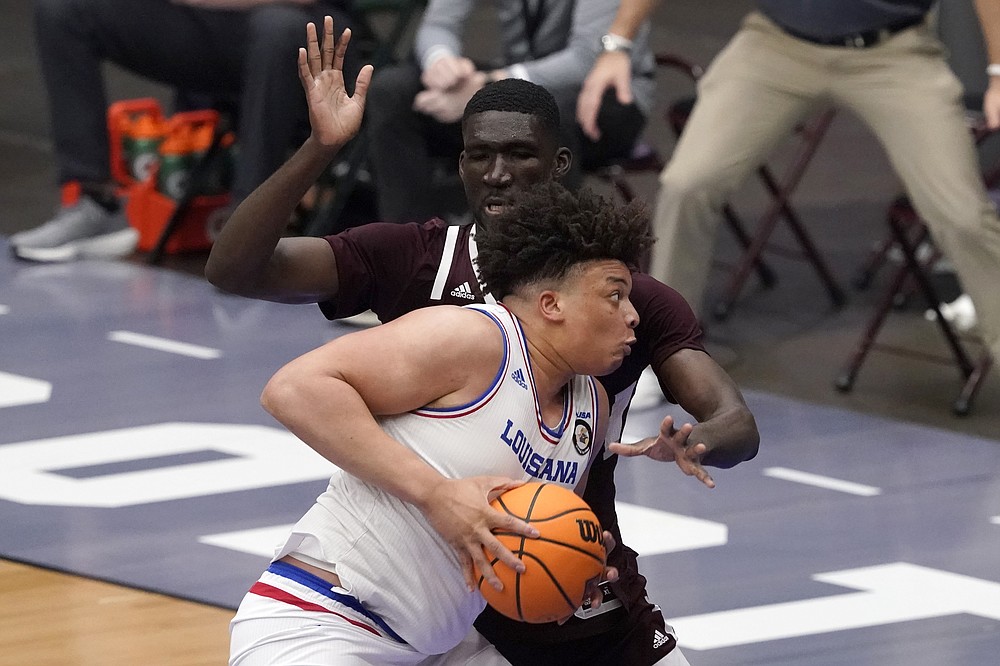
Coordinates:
(236, 5)
(989, 20)
(731, 437)
(441, 28)
(631, 15)
(356, 443)
(241, 254)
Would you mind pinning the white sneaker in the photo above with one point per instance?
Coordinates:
(647, 391)
(366, 319)
(84, 230)
(961, 313)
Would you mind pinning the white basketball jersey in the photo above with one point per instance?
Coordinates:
(385, 552)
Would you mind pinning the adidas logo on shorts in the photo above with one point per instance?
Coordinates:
(518, 376)
(463, 291)
(659, 638)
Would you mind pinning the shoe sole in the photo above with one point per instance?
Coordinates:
(364, 320)
(109, 246)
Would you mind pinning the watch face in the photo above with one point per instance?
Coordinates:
(616, 43)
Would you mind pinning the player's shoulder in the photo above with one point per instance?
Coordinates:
(454, 321)
(647, 289)
(389, 231)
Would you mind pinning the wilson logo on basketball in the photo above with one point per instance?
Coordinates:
(590, 531)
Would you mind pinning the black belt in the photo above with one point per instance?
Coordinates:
(858, 40)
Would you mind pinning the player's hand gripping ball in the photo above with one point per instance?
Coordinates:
(568, 553)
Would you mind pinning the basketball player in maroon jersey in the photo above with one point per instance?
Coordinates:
(511, 138)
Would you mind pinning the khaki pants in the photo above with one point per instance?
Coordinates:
(764, 82)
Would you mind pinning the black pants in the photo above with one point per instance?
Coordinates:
(250, 55)
(408, 151)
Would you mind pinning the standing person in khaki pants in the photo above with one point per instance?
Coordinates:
(878, 59)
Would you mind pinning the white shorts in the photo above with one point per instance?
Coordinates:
(674, 658)
(474, 650)
(290, 616)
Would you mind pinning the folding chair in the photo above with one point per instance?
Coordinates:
(780, 189)
(910, 235)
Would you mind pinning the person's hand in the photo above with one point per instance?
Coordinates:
(335, 116)
(447, 72)
(459, 510)
(991, 104)
(612, 69)
(670, 445)
(593, 595)
(447, 106)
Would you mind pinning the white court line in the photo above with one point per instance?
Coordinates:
(4, 309)
(995, 520)
(163, 344)
(822, 481)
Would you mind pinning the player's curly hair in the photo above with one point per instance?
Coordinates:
(550, 230)
(519, 96)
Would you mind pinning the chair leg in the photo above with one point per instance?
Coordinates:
(808, 247)
(913, 271)
(930, 293)
(876, 259)
(845, 380)
(779, 208)
(764, 272)
(194, 186)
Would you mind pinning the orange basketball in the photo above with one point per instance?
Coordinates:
(568, 553)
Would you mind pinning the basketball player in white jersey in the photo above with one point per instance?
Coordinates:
(429, 415)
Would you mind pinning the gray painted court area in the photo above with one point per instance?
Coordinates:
(850, 539)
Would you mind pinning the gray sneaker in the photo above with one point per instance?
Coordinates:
(82, 231)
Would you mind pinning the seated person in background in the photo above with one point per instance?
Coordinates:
(368, 575)
(511, 136)
(241, 48)
(879, 59)
(416, 107)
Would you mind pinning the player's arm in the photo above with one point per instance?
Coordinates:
(443, 356)
(725, 427)
(612, 69)
(725, 432)
(250, 257)
(989, 20)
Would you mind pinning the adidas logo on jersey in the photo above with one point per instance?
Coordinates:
(659, 638)
(463, 291)
(518, 376)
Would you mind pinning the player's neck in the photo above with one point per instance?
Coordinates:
(551, 375)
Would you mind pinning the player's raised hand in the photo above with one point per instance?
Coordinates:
(672, 444)
(460, 511)
(334, 115)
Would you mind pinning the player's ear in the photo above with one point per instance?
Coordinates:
(562, 163)
(550, 305)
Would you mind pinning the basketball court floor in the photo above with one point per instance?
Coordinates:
(133, 449)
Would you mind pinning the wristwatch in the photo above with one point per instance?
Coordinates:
(612, 42)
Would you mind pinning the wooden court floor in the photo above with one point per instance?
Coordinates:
(50, 618)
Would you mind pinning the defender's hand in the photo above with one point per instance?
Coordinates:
(335, 116)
